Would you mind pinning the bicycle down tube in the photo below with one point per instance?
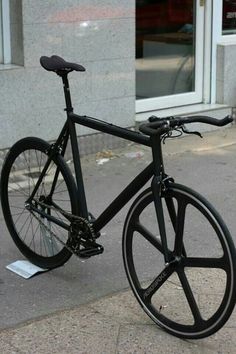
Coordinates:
(131, 190)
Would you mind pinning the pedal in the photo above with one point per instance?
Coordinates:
(90, 251)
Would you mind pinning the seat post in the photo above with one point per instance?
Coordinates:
(66, 88)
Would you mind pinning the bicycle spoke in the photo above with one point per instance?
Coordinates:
(190, 297)
(59, 192)
(149, 236)
(60, 216)
(61, 200)
(24, 223)
(58, 185)
(27, 229)
(28, 166)
(33, 233)
(17, 195)
(202, 262)
(19, 215)
(48, 239)
(16, 207)
(40, 241)
(157, 283)
(18, 189)
(62, 237)
(44, 244)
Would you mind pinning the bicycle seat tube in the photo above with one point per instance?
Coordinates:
(83, 210)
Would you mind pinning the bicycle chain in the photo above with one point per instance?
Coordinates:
(69, 216)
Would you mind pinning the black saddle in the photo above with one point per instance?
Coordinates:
(59, 65)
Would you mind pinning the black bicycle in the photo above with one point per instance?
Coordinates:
(178, 253)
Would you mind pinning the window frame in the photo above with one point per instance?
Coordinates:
(201, 81)
(5, 31)
(218, 24)
(226, 34)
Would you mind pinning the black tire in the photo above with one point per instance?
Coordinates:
(194, 296)
(20, 171)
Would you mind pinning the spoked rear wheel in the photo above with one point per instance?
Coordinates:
(194, 295)
(33, 233)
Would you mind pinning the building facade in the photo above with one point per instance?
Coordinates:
(142, 57)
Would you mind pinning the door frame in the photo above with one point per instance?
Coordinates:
(196, 96)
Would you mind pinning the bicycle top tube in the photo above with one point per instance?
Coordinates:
(110, 128)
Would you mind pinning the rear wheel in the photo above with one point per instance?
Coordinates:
(34, 236)
(194, 295)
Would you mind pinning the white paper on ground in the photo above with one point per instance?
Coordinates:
(25, 269)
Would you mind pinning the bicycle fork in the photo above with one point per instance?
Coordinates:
(159, 185)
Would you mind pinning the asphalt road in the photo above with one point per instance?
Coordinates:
(208, 168)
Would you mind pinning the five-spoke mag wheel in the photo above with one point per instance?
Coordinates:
(193, 295)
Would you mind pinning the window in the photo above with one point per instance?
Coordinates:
(1, 49)
(5, 47)
(11, 33)
(229, 17)
(165, 47)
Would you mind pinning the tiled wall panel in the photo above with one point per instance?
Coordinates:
(226, 74)
(99, 34)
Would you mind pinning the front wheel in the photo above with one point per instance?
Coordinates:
(194, 295)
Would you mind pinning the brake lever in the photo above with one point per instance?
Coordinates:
(186, 131)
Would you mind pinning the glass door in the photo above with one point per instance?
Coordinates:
(1, 51)
(169, 53)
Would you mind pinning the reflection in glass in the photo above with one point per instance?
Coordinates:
(165, 47)
(1, 48)
(229, 17)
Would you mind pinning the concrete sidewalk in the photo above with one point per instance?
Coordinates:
(112, 325)
(116, 323)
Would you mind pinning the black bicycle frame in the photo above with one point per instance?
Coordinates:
(155, 169)
(131, 189)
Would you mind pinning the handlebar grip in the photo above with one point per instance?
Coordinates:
(228, 119)
(203, 119)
